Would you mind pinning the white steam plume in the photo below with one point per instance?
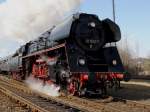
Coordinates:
(48, 89)
(24, 20)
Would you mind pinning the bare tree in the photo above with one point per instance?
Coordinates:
(127, 57)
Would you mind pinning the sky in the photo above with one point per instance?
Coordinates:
(131, 15)
(2, 1)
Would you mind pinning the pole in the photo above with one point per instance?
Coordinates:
(114, 13)
(113, 6)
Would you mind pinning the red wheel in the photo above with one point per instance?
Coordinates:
(73, 88)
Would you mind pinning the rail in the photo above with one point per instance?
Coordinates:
(69, 101)
(88, 105)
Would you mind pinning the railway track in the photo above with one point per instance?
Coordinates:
(80, 104)
(9, 105)
(14, 89)
(34, 102)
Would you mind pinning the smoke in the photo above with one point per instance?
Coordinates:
(48, 89)
(24, 20)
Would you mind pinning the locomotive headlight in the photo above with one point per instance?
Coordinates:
(114, 62)
(81, 61)
(92, 24)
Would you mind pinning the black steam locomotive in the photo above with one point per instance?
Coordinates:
(77, 54)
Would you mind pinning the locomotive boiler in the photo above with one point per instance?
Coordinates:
(77, 55)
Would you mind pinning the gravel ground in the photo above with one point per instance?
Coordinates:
(133, 91)
(8, 105)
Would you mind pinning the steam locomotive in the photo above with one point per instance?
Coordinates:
(77, 54)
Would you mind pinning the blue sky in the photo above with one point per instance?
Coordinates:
(2, 1)
(132, 16)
